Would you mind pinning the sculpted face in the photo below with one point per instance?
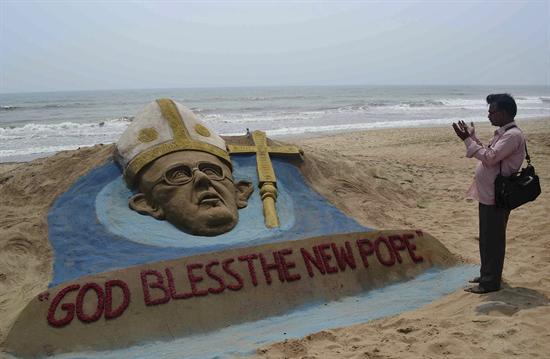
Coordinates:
(194, 191)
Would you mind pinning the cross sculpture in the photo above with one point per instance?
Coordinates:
(266, 174)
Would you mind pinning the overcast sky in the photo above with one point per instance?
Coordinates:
(47, 46)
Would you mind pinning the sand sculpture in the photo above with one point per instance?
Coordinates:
(182, 170)
(216, 268)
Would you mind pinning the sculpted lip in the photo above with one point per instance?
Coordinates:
(209, 198)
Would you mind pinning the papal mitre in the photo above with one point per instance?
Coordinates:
(162, 127)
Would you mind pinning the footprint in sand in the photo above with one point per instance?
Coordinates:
(496, 308)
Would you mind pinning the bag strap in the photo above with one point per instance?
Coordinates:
(526, 152)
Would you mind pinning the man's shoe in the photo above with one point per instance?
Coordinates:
(475, 280)
(478, 289)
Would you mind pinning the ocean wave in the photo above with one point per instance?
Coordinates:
(286, 97)
(426, 108)
(37, 139)
(251, 109)
(425, 103)
(262, 117)
(379, 103)
(285, 131)
(250, 113)
(65, 128)
(366, 106)
(44, 106)
(520, 100)
(6, 153)
(300, 130)
(251, 98)
(530, 100)
(352, 107)
(464, 103)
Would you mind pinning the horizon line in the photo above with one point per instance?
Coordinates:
(267, 86)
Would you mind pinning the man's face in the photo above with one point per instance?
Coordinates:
(193, 190)
(497, 117)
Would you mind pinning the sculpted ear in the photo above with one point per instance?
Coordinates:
(244, 190)
(139, 203)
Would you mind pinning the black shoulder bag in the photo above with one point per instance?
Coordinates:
(519, 188)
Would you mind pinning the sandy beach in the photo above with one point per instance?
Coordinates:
(386, 179)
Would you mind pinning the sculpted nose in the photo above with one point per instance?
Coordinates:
(200, 179)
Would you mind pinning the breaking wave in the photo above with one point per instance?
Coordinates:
(65, 128)
(37, 124)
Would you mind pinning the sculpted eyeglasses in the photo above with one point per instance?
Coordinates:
(180, 174)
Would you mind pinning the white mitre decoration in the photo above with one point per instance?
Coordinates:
(162, 127)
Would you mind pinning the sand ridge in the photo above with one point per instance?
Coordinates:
(27, 192)
(398, 178)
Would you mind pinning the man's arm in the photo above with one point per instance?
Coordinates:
(490, 156)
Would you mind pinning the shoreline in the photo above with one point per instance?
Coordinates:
(10, 164)
(310, 135)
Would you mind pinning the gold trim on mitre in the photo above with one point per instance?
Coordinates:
(147, 135)
(181, 141)
(201, 130)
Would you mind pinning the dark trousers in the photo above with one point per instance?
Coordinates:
(492, 244)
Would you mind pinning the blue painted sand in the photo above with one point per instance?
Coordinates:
(244, 339)
(113, 212)
(92, 230)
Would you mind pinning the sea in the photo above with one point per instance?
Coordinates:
(39, 124)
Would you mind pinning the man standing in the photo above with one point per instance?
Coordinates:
(504, 155)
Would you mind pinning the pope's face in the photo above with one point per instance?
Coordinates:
(193, 190)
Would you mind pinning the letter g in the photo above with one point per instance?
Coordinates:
(67, 307)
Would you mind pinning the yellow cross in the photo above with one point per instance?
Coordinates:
(266, 174)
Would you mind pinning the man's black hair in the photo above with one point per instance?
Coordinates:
(504, 102)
